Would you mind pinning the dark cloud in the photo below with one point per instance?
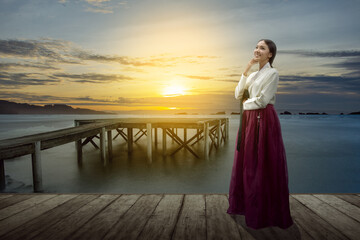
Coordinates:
(309, 53)
(51, 50)
(352, 62)
(4, 66)
(83, 55)
(324, 83)
(48, 99)
(92, 77)
(14, 80)
(58, 51)
(30, 97)
(353, 66)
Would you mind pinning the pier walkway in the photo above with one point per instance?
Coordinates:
(210, 132)
(168, 216)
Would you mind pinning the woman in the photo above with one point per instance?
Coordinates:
(259, 181)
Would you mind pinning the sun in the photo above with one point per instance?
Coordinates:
(173, 91)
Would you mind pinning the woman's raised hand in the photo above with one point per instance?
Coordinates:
(250, 64)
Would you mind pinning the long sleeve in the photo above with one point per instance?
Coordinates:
(239, 90)
(268, 88)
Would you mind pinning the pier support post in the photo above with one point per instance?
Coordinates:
(206, 140)
(219, 133)
(109, 138)
(156, 137)
(78, 146)
(149, 141)
(164, 141)
(130, 139)
(2, 175)
(185, 134)
(103, 146)
(227, 129)
(36, 167)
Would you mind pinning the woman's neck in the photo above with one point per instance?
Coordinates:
(262, 64)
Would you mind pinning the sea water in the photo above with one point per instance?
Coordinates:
(323, 156)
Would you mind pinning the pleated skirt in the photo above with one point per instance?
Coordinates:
(259, 180)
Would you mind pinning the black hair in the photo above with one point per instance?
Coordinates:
(272, 48)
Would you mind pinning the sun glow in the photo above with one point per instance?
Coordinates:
(173, 91)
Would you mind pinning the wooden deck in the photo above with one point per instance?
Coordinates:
(168, 216)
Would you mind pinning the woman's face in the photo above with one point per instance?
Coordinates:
(261, 52)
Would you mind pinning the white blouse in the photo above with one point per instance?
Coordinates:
(262, 86)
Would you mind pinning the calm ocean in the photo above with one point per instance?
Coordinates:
(323, 155)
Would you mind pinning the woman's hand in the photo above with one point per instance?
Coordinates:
(250, 64)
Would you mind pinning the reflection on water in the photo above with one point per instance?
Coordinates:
(322, 155)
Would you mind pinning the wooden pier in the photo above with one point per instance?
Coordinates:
(168, 216)
(211, 132)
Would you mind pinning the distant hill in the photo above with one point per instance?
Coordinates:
(7, 107)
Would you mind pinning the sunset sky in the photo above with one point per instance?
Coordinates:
(183, 55)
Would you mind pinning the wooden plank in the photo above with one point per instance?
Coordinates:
(162, 222)
(98, 226)
(219, 225)
(23, 205)
(9, 200)
(36, 168)
(5, 195)
(192, 221)
(350, 198)
(21, 218)
(337, 219)
(132, 222)
(30, 229)
(293, 232)
(64, 228)
(313, 224)
(341, 205)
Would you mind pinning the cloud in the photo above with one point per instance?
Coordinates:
(4, 66)
(53, 51)
(104, 6)
(46, 49)
(48, 99)
(15, 80)
(197, 77)
(92, 77)
(319, 83)
(83, 55)
(309, 53)
(352, 65)
(352, 62)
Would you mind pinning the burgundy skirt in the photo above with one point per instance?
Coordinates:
(259, 180)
